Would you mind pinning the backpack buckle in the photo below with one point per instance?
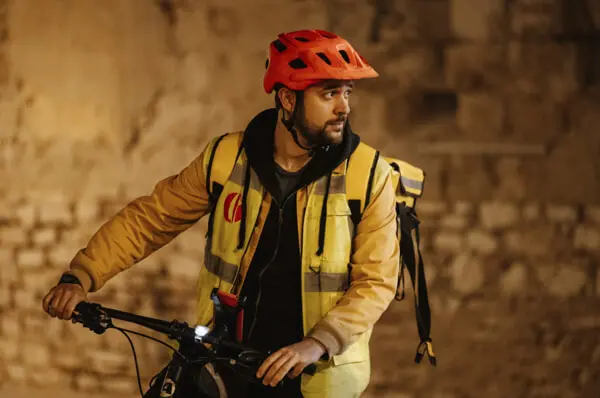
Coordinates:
(408, 218)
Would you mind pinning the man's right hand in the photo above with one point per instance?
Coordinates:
(61, 300)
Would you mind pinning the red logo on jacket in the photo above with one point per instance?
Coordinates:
(233, 207)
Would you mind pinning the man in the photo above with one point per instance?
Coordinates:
(279, 230)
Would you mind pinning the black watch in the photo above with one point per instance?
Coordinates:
(68, 278)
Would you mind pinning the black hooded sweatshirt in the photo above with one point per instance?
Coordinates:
(273, 315)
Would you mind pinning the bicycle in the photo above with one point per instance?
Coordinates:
(200, 348)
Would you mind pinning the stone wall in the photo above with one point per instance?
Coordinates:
(496, 100)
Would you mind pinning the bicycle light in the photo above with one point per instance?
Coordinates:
(200, 331)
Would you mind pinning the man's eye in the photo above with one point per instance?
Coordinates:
(329, 94)
(348, 93)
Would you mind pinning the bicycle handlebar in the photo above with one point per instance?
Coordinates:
(98, 319)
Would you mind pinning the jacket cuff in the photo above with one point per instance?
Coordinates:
(84, 278)
(328, 339)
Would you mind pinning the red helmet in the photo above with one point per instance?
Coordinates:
(302, 58)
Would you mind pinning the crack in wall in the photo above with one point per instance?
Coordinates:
(4, 36)
(149, 114)
(382, 9)
(167, 8)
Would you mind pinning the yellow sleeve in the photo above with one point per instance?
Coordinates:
(374, 274)
(144, 225)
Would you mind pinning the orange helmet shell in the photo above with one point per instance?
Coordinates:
(302, 58)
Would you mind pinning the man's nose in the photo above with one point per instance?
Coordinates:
(343, 107)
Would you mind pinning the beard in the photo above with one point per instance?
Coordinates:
(315, 136)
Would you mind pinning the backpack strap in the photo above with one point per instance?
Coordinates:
(223, 155)
(361, 166)
(411, 258)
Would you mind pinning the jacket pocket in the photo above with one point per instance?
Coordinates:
(349, 380)
(336, 206)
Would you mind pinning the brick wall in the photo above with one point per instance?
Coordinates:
(496, 100)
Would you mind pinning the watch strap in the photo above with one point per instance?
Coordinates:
(68, 278)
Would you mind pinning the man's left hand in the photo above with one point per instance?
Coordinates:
(296, 356)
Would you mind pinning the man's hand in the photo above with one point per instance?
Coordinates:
(62, 299)
(296, 356)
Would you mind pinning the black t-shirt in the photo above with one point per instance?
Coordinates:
(287, 181)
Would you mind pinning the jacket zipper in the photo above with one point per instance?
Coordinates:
(279, 226)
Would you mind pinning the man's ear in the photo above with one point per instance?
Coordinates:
(287, 98)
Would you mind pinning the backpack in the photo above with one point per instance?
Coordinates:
(408, 182)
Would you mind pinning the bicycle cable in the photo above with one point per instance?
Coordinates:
(137, 369)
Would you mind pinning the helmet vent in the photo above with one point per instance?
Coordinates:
(297, 64)
(344, 55)
(324, 58)
(279, 46)
(302, 39)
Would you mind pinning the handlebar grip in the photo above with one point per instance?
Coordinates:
(83, 306)
(87, 307)
(79, 311)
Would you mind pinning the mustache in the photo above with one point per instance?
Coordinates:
(342, 119)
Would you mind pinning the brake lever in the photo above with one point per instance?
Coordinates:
(95, 319)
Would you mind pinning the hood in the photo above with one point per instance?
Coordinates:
(258, 142)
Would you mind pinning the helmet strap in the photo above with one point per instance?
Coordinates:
(290, 126)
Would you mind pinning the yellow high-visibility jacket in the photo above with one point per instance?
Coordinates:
(346, 288)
